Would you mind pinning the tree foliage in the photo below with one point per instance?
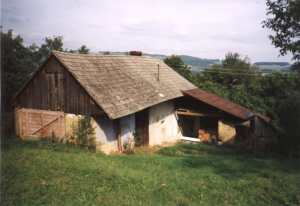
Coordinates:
(179, 66)
(83, 50)
(234, 70)
(282, 93)
(239, 81)
(17, 65)
(289, 115)
(284, 21)
(50, 44)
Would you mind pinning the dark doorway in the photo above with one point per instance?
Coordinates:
(189, 125)
(142, 128)
(194, 126)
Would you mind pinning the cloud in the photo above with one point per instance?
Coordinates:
(201, 28)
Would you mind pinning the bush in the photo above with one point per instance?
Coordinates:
(289, 119)
(85, 134)
(128, 147)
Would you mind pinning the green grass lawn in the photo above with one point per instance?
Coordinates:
(41, 173)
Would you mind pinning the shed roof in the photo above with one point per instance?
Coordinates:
(124, 84)
(220, 103)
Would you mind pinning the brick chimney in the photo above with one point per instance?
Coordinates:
(135, 53)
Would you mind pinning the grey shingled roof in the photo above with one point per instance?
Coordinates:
(124, 84)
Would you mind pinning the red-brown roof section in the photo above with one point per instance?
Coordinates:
(220, 103)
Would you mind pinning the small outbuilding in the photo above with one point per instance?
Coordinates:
(130, 99)
(218, 119)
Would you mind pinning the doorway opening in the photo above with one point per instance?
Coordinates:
(142, 128)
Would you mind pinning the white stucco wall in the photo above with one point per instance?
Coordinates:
(163, 125)
(106, 139)
(163, 128)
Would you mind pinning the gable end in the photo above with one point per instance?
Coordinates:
(54, 88)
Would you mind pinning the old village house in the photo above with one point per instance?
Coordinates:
(128, 97)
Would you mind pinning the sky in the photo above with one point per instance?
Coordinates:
(202, 28)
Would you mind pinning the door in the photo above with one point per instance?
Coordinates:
(33, 123)
(142, 128)
(55, 90)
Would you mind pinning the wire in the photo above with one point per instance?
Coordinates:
(231, 73)
(259, 74)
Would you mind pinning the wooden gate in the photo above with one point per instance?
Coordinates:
(36, 124)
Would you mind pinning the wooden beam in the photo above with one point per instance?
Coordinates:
(197, 114)
(191, 139)
(190, 113)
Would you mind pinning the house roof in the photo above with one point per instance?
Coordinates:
(220, 103)
(124, 84)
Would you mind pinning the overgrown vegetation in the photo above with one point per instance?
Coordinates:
(42, 173)
(85, 132)
(238, 80)
(289, 116)
(284, 20)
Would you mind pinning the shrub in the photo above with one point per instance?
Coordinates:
(128, 147)
(85, 133)
(289, 117)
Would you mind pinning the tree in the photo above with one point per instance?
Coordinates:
(83, 50)
(50, 44)
(237, 62)
(234, 70)
(176, 63)
(284, 90)
(285, 23)
(289, 116)
(17, 65)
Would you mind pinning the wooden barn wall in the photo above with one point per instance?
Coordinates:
(54, 88)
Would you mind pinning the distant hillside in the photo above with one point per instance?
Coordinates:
(282, 64)
(196, 63)
(273, 66)
(199, 64)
